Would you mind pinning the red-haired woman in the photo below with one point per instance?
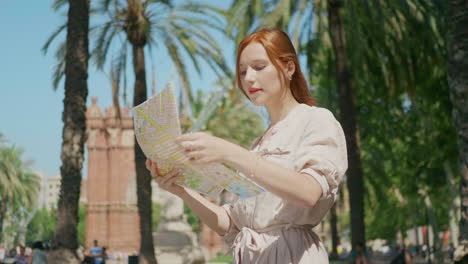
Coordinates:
(299, 161)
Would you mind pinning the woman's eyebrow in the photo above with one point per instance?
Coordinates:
(254, 61)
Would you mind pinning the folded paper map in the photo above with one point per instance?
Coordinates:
(156, 124)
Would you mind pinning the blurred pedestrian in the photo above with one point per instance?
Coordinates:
(80, 251)
(2, 253)
(403, 257)
(22, 258)
(451, 251)
(96, 252)
(104, 255)
(38, 255)
(359, 255)
(11, 253)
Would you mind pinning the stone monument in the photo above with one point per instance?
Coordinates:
(175, 243)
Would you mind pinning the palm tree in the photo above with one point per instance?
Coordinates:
(19, 187)
(144, 24)
(458, 85)
(74, 65)
(182, 30)
(386, 66)
(348, 118)
(245, 16)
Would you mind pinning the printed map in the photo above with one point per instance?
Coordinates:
(156, 124)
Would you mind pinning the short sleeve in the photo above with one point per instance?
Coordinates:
(232, 232)
(322, 151)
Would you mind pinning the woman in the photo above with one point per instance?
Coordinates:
(299, 161)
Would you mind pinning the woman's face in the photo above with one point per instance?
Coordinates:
(259, 78)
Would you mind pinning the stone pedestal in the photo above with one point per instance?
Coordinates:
(175, 243)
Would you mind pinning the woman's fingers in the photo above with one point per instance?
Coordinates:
(166, 180)
(148, 164)
(195, 155)
(169, 175)
(198, 157)
(192, 145)
(153, 168)
(173, 179)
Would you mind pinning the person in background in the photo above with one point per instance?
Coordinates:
(358, 255)
(96, 253)
(2, 253)
(80, 252)
(104, 255)
(11, 253)
(38, 255)
(403, 257)
(22, 258)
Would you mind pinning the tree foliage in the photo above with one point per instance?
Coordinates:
(19, 186)
(42, 225)
(403, 107)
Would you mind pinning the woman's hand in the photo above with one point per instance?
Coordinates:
(203, 148)
(166, 181)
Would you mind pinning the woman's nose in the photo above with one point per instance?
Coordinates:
(249, 75)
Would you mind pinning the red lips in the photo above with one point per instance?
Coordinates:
(254, 90)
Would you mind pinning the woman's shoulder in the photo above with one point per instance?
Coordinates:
(316, 114)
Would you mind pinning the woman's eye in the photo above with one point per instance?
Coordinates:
(242, 73)
(259, 68)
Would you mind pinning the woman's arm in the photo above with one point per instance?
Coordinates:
(299, 188)
(214, 216)
(321, 156)
(211, 214)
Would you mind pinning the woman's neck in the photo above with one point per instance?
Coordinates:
(278, 111)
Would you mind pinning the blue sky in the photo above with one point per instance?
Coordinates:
(30, 110)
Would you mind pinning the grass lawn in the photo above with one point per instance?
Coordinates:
(221, 259)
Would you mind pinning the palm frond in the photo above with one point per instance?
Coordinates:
(59, 69)
(17, 183)
(115, 80)
(106, 35)
(58, 4)
(180, 67)
(52, 37)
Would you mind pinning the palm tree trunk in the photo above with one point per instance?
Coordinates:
(458, 87)
(348, 118)
(334, 231)
(146, 255)
(65, 240)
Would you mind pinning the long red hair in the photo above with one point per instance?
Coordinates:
(280, 51)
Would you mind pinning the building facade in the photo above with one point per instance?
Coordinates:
(50, 190)
(112, 214)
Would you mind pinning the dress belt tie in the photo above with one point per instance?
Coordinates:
(250, 239)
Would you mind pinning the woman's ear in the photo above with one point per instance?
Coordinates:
(290, 69)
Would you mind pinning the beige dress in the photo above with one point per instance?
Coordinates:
(269, 229)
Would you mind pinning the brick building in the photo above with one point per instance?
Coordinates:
(112, 215)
